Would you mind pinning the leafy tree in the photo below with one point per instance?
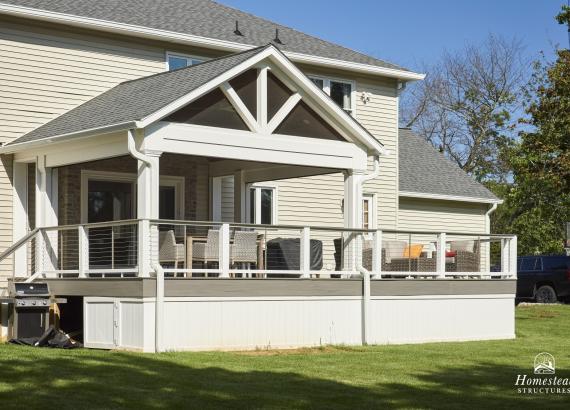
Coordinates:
(465, 105)
(537, 205)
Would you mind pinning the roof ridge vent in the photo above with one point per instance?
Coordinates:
(236, 31)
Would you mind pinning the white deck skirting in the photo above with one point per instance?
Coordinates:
(245, 323)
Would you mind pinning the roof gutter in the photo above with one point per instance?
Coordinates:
(189, 39)
(21, 146)
(131, 146)
(423, 195)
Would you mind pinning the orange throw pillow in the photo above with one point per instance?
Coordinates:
(413, 251)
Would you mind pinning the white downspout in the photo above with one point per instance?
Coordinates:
(159, 301)
(159, 307)
(488, 217)
(375, 172)
(363, 271)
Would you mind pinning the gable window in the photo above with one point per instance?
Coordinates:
(341, 91)
(262, 204)
(176, 61)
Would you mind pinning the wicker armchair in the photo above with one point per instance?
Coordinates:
(464, 260)
(367, 260)
(413, 265)
(244, 248)
(169, 251)
(208, 251)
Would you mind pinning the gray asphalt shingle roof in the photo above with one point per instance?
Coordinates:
(134, 100)
(425, 170)
(203, 18)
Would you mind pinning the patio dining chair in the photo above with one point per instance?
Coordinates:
(170, 251)
(244, 248)
(208, 251)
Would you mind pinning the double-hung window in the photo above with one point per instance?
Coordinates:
(341, 91)
(368, 212)
(176, 61)
(262, 204)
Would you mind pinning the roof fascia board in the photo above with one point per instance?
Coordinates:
(189, 39)
(458, 198)
(23, 146)
(351, 66)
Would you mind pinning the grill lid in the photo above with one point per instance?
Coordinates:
(31, 289)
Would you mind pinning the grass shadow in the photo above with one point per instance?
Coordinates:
(35, 378)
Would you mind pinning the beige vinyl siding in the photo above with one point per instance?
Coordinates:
(380, 117)
(317, 200)
(227, 197)
(417, 214)
(44, 73)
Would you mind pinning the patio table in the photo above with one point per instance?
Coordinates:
(190, 239)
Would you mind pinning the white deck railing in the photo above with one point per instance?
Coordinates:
(191, 249)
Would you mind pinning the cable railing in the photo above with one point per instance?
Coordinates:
(222, 250)
(206, 249)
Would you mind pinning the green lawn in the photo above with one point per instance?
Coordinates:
(444, 375)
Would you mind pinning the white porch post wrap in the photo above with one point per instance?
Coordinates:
(513, 257)
(20, 215)
(352, 217)
(440, 262)
(148, 181)
(377, 255)
(46, 215)
(224, 251)
(83, 245)
(305, 262)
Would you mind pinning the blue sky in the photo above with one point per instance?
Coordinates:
(412, 32)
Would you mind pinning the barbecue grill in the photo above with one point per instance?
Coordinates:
(29, 305)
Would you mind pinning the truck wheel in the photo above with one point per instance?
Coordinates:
(545, 294)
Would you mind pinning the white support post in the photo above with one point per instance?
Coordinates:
(144, 248)
(41, 200)
(505, 266)
(262, 99)
(377, 255)
(147, 208)
(513, 257)
(224, 251)
(83, 244)
(20, 216)
(365, 307)
(352, 217)
(440, 262)
(305, 252)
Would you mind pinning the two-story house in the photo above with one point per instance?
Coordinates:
(258, 169)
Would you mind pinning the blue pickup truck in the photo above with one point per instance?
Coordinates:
(544, 279)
